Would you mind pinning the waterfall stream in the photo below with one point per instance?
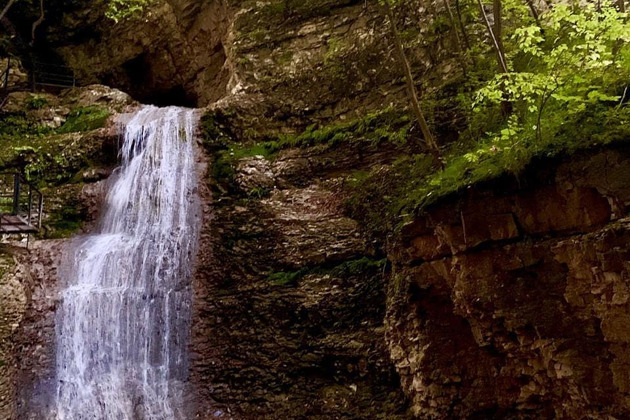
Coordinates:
(124, 319)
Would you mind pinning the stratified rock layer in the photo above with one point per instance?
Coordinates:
(312, 347)
(514, 302)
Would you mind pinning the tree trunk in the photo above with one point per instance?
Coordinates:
(461, 24)
(495, 34)
(460, 46)
(495, 41)
(6, 8)
(535, 13)
(622, 5)
(411, 87)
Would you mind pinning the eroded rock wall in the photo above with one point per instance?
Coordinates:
(12, 308)
(172, 55)
(290, 299)
(513, 302)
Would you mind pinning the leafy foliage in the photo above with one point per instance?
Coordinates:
(36, 102)
(124, 9)
(568, 89)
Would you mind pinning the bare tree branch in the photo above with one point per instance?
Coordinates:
(411, 87)
(38, 21)
(6, 8)
(495, 41)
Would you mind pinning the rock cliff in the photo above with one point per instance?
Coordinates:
(511, 300)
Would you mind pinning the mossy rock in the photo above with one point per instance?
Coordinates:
(85, 119)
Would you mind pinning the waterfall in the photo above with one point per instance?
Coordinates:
(124, 318)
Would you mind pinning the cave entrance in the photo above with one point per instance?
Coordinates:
(176, 96)
(142, 86)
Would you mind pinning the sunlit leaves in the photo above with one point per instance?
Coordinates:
(123, 9)
(574, 58)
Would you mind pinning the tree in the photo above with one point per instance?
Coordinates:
(574, 62)
(411, 87)
(495, 33)
(35, 25)
(534, 11)
(39, 21)
(461, 47)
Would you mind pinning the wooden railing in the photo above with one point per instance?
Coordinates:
(21, 205)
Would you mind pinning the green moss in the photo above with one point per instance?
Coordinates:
(66, 220)
(85, 119)
(259, 192)
(388, 125)
(350, 268)
(36, 102)
(288, 278)
(16, 124)
(384, 200)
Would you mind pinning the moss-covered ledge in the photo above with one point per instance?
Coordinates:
(62, 143)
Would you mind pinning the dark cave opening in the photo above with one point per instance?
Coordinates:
(142, 86)
(176, 96)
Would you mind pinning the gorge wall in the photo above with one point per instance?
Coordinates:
(509, 300)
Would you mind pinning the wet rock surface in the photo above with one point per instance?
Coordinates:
(290, 301)
(511, 305)
(36, 335)
(12, 309)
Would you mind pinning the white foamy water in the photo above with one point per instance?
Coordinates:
(124, 319)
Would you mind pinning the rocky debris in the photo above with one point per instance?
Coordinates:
(512, 301)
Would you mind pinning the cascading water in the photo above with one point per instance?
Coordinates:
(122, 328)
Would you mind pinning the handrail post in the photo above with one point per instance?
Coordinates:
(30, 205)
(16, 194)
(6, 74)
(41, 209)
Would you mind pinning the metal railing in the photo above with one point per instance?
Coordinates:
(21, 205)
(56, 75)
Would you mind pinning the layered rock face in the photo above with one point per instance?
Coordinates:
(514, 302)
(290, 300)
(317, 59)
